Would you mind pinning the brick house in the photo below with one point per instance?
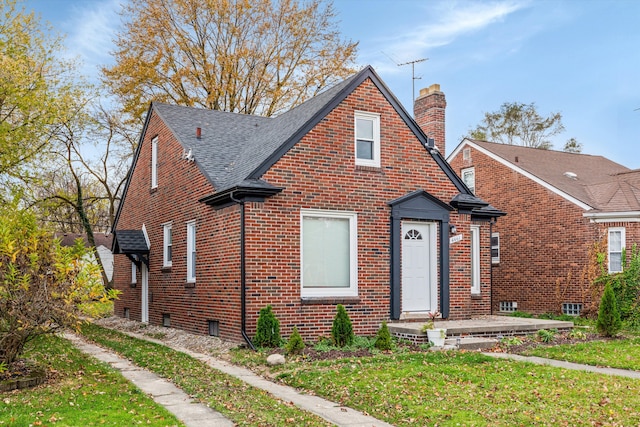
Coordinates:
(342, 199)
(559, 205)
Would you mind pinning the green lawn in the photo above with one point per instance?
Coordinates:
(617, 353)
(466, 389)
(240, 402)
(81, 392)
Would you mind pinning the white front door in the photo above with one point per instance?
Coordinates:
(419, 286)
(144, 273)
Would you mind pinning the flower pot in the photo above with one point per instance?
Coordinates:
(437, 336)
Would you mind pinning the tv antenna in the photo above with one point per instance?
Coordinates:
(413, 74)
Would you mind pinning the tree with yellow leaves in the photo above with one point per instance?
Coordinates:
(247, 56)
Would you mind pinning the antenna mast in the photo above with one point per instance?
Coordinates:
(413, 75)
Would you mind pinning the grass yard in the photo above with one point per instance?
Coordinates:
(467, 389)
(81, 392)
(618, 353)
(238, 401)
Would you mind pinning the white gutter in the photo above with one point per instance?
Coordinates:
(604, 217)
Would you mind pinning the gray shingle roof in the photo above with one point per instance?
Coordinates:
(130, 242)
(233, 146)
(594, 180)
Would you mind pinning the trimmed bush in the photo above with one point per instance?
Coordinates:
(268, 329)
(608, 323)
(383, 338)
(295, 345)
(342, 329)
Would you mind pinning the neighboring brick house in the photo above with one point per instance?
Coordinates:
(342, 199)
(559, 205)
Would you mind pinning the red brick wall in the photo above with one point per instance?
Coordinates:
(318, 172)
(543, 239)
(429, 112)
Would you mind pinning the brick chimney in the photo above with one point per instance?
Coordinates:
(428, 110)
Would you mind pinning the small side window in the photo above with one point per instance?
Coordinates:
(367, 143)
(469, 179)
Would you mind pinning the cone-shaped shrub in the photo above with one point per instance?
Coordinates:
(268, 329)
(383, 338)
(295, 345)
(608, 323)
(342, 330)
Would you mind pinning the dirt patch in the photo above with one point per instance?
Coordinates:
(511, 345)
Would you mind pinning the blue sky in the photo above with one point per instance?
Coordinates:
(580, 58)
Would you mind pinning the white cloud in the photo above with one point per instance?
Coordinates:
(442, 23)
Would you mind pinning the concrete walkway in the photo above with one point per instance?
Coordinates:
(198, 415)
(566, 365)
(187, 410)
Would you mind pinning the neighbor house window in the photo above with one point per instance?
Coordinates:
(475, 259)
(367, 130)
(571, 309)
(167, 252)
(616, 247)
(191, 251)
(329, 251)
(466, 154)
(469, 179)
(495, 248)
(154, 162)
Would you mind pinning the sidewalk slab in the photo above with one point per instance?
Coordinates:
(187, 410)
(567, 365)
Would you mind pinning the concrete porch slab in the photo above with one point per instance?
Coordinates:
(485, 326)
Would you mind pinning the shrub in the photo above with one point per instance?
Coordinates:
(546, 335)
(268, 329)
(41, 282)
(295, 345)
(342, 329)
(608, 323)
(383, 338)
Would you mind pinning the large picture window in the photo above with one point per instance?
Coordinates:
(328, 253)
(367, 130)
(616, 246)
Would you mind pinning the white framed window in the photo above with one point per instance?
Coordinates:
(475, 259)
(328, 253)
(617, 241)
(367, 143)
(167, 245)
(134, 273)
(495, 248)
(191, 251)
(469, 178)
(154, 162)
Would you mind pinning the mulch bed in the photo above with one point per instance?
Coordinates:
(22, 374)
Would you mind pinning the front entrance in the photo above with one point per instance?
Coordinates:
(419, 271)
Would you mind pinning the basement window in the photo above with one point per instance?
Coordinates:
(214, 328)
(126, 313)
(508, 306)
(571, 309)
(166, 320)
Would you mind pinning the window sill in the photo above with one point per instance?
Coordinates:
(133, 285)
(190, 285)
(329, 300)
(369, 168)
(476, 296)
(166, 269)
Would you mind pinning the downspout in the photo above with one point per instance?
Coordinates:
(243, 278)
(490, 267)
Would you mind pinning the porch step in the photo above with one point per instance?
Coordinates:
(471, 343)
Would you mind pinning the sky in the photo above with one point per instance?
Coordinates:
(577, 57)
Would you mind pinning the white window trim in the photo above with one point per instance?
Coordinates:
(191, 249)
(167, 231)
(134, 273)
(375, 162)
(495, 259)
(154, 162)
(352, 290)
(475, 259)
(473, 171)
(623, 240)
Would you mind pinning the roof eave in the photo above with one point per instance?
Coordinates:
(240, 194)
(605, 217)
